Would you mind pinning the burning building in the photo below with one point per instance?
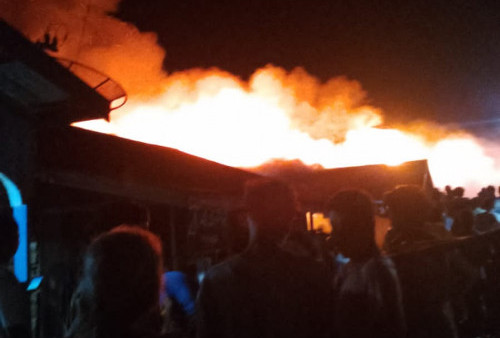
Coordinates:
(67, 185)
(76, 183)
(73, 184)
(274, 114)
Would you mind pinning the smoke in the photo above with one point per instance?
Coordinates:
(277, 114)
(322, 110)
(87, 32)
(285, 169)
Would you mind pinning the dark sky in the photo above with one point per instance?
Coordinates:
(438, 60)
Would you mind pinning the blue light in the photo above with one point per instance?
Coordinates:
(35, 283)
(21, 256)
(20, 213)
(13, 193)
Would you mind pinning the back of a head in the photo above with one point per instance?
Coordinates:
(486, 198)
(272, 205)
(9, 235)
(354, 211)
(463, 223)
(459, 192)
(408, 205)
(123, 273)
(353, 204)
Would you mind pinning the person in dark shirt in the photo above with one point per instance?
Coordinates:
(266, 291)
(368, 295)
(424, 273)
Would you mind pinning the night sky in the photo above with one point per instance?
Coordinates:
(437, 60)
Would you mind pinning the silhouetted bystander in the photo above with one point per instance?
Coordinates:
(368, 295)
(423, 274)
(119, 292)
(266, 291)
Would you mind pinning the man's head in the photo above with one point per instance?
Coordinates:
(353, 223)
(271, 207)
(9, 236)
(408, 206)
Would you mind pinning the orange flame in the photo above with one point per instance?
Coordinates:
(209, 113)
(214, 115)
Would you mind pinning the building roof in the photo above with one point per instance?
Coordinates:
(36, 85)
(108, 164)
(315, 187)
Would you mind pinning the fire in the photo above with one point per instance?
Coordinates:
(244, 125)
(217, 116)
(213, 114)
(462, 161)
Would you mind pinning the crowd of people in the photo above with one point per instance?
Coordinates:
(274, 289)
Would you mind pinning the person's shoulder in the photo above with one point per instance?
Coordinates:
(485, 222)
(381, 266)
(383, 262)
(224, 269)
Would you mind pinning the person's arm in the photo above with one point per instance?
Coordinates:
(177, 288)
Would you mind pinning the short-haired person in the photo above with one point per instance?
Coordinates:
(14, 302)
(266, 291)
(367, 291)
(119, 291)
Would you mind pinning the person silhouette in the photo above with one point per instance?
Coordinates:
(266, 291)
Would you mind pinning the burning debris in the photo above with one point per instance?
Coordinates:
(276, 114)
